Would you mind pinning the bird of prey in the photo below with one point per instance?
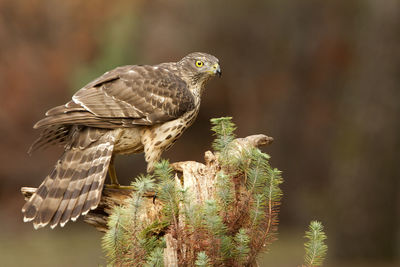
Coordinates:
(130, 109)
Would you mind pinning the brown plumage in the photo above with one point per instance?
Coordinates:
(131, 109)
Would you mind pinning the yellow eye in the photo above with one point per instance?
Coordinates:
(199, 63)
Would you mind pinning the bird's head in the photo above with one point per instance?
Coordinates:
(197, 68)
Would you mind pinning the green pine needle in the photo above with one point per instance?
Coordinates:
(315, 247)
(166, 190)
(163, 170)
(114, 239)
(242, 248)
(257, 212)
(273, 190)
(223, 129)
(224, 190)
(213, 221)
(203, 260)
(156, 258)
(143, 184)
(227, 247)
(257, 173)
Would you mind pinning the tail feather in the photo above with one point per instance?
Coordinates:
(74, 187)
(51, 203)
(94, 193)
(93, 180)
(90, 197)
(31, 207)
(66, 216)
(85, 189)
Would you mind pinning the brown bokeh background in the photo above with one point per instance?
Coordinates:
(321, 77)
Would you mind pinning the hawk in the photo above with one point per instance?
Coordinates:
(130, 109)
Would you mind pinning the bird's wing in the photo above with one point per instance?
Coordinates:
(126, 96)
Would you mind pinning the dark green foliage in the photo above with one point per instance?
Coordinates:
(151, 237)
(315, 246)
(157, 228)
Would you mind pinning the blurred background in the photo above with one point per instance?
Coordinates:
(321, 77)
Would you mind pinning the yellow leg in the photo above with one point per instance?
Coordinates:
(112, 173)
(113, 177)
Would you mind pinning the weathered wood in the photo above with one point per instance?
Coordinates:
(170, 252)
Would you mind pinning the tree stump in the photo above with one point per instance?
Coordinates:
(198, 178)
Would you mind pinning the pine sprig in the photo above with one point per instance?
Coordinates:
(111, 241)
(315, 247)
(242, 248)
(258, 171)
(156, 258)
(203, 260)
(223, 129)
(257, 213)
(213, 221)
(124, 226)
(191, 210)
(141, 185)
(224, 190)
(163, 170)
(166, 190)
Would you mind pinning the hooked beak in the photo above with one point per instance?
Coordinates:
(216, 69)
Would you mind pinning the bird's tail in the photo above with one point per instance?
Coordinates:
(74, 186)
